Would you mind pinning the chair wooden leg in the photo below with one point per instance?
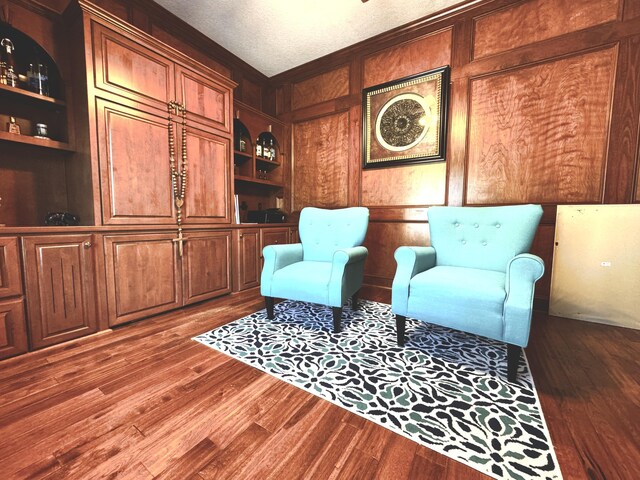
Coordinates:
(337, 316)
(269, 303)
(354, 301)
(513, 358)
(400, 324)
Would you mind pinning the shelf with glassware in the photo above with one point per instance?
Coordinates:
(29, 81)
(256, 162)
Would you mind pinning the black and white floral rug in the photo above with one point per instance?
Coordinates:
(446, 390)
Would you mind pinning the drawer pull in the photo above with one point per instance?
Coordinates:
(87, 244)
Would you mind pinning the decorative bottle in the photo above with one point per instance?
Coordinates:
(272, 150)
(8, 75)
(258, 147)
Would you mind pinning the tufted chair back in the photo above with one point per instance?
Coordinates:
(321, 231)
(482, 237)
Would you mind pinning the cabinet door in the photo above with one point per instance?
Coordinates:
(134, 166)
(13, 331)
(206, 265)
(60, 279)
(294, 235)
(209, 178)
(143, 276)
(247, 258)
(10, 280)
(207, 102)
(125, 67)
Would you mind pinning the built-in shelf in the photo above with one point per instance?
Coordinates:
(27, 94)
(259, 181)
(268, 162)
(38, 142)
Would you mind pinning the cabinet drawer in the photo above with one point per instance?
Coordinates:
(10, 278)
(274, 236)
(13, 331)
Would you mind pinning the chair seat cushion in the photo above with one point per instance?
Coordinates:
(462, 298)
(305, 281)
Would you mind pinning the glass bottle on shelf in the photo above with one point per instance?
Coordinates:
(258, 147)
(38, 78)
(8, 75)
(266, 153)
(272, 151)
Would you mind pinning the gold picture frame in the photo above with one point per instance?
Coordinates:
(404, 121)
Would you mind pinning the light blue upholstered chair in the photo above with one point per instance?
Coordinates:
(476, 276)
(326, 268)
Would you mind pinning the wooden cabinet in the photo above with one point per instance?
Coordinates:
(206, 265)
(143, 276)
(247, 258)
(139, 76)
(134, 166)
(60, 279)
(273, 236)
(146, 275)
(10, 279)
(248, 245)
(294, 235)
(13, 331)
(208, 194)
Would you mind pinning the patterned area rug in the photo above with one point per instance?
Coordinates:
(445, 389)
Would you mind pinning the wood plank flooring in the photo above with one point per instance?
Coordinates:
(145, 401)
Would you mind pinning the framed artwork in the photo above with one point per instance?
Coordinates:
(405, 121)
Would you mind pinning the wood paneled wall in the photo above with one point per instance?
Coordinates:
(544, 108)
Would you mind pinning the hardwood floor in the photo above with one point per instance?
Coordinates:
(144, 401)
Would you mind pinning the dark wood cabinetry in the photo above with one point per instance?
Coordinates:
(206, 265)
(247, 258)
(61, 285)
(13, 331)
(274, 236)
(143, 276)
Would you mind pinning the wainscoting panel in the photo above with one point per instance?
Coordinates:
(382, 241)
(539, 134)
(412, 185)
(422, 54)
(534, 21)
(318, 89)
(321, 162)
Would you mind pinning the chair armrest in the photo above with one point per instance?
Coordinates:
(347, 272)
(411, 261)
(275, 258)
(345, 256)
(523, 271)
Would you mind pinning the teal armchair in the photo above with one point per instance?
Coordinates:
(327, 267)
(476, 276)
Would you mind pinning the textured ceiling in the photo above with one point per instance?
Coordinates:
(276, 35)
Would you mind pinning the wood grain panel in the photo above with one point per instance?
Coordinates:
(411, 185)
(424, 53)
(13, 329)
(382, 240)
(134, 166)
(207, 102)
(251, 93)
(537, 20)
(60, 285)
(327, 86)
(246, 258)
(143, 276)
(208, 183)
(206, 266)
(539, 134)
(126, 68)
(321, 162)
(10, 275)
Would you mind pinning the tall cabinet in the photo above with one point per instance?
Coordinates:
(130, 79)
